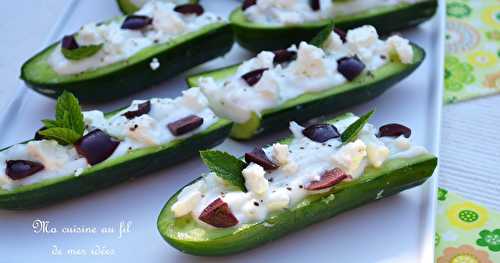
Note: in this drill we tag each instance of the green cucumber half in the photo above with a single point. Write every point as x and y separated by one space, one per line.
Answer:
257 37
134 74
394 176
313 104
130 6
134 164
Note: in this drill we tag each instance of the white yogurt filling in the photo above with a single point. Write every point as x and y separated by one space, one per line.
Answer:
282 12
120 44
314 70
301 162
146 130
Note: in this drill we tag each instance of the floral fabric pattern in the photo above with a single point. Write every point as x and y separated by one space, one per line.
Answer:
472 50
466 232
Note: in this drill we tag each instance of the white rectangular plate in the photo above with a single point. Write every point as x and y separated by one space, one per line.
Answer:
397 229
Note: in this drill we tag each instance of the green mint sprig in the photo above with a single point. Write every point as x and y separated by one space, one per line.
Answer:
225 166
68 126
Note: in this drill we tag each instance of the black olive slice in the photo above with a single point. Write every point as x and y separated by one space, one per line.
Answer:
218 214
185 125
69 42
259 157
394 130
328 179
321 132
248 3
19 169
252 77
142 109
136 22
283 55
188 9
350 67
96 146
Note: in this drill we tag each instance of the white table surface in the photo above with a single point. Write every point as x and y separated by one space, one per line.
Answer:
470 152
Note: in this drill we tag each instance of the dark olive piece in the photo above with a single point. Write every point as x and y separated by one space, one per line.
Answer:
69 42
185 125
188 9
19 169
252 77
283 55
342 34
259 157
218 214
350 67
248 3
394 130
136 22
328 179
96 146
321 132
142 109
315 5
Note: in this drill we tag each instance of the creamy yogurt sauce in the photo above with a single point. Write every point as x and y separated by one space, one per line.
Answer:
282 12
120 44
300 163
314 70
146 130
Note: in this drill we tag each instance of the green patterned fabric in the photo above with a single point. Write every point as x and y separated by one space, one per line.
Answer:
466 232
472 49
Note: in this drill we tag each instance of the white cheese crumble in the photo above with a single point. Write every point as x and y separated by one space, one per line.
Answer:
283 188
155 64
283 12
314 70
120 44
146 130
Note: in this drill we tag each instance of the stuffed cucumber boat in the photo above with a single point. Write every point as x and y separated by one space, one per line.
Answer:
273 24
306 81
130 6
323 170
82 152
108 60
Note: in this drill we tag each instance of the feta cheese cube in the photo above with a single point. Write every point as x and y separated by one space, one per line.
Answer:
280 153
333 43
364 36
377 154
253 210
144 129
254 179
194 99
310 61
349 157
402 48
290 168
167 21
187 203
155 64
89 35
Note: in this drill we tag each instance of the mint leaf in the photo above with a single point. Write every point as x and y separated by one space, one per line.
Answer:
322 36
225 166
352 132
50 124
68 113
81 52
63 136
68 126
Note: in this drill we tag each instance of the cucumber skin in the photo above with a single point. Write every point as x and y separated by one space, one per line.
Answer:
136 77
411 175
257 39
127 8
108 176
279 119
